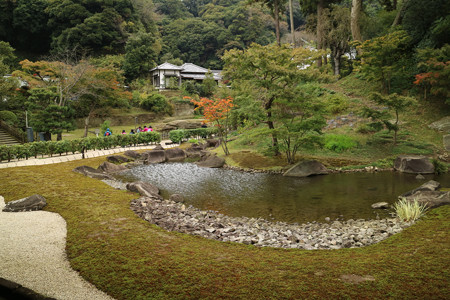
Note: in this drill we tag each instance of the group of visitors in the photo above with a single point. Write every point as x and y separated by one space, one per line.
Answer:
108 132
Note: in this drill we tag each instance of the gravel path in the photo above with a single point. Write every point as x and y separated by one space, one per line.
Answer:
32 254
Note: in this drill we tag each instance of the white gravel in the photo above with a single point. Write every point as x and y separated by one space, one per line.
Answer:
32 254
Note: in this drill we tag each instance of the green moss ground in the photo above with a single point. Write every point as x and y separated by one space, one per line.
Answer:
131 259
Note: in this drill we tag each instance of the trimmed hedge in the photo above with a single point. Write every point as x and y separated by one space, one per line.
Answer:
177 136
8 152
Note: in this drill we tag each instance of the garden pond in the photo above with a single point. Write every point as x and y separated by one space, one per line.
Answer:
277 198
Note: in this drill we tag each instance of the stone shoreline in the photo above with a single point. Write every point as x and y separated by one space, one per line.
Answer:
176 216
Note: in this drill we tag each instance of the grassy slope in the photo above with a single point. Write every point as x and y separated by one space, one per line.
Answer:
131 259
414 137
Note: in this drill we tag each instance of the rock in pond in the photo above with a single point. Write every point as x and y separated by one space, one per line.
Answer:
380 205
34 202
175 155
413 164
428 194
144 189
154 157
211 161
307 168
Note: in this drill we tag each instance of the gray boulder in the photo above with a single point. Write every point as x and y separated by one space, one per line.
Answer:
428 194
132 154
307 168
144 189
211 161
431 185
175 154
158 147
413 164
154 157
380 205
91 172
442 124
35 202
108 167
117 159
431 199
212 143
194 151
446 140
176 198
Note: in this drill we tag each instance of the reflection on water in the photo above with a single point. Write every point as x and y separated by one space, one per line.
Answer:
274 197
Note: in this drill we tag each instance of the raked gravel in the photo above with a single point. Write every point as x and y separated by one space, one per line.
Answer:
32 254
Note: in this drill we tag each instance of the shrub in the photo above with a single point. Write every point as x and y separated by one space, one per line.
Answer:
157 103
339 142
439 167
370 127
409 211
9 117
104 126
336 103
176 136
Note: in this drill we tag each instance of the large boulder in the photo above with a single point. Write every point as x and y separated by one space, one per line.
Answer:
413 164
175 154
144 189
430 198
442 124
428 194
154 157
93 173
132 154
34 202
211 161
431 185
446 140
307 168
194 151
108 167
117 159
212 143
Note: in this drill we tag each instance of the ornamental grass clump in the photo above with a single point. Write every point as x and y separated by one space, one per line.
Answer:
409 211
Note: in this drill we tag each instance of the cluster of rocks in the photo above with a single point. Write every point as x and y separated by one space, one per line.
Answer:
350 119
176 216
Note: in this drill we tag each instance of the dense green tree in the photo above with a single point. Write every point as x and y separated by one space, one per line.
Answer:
100 33
300 121
141 54
53 119
30 25
338 34
268 74
384 60
198 43
394 103
428 25
172 9
276 7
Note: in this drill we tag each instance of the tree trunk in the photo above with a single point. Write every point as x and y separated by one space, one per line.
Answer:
400 13
291 16
86 125
320 34
276 12
337 64
59 136
355 17
274 136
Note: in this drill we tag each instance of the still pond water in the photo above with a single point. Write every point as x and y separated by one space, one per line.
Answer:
278 198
